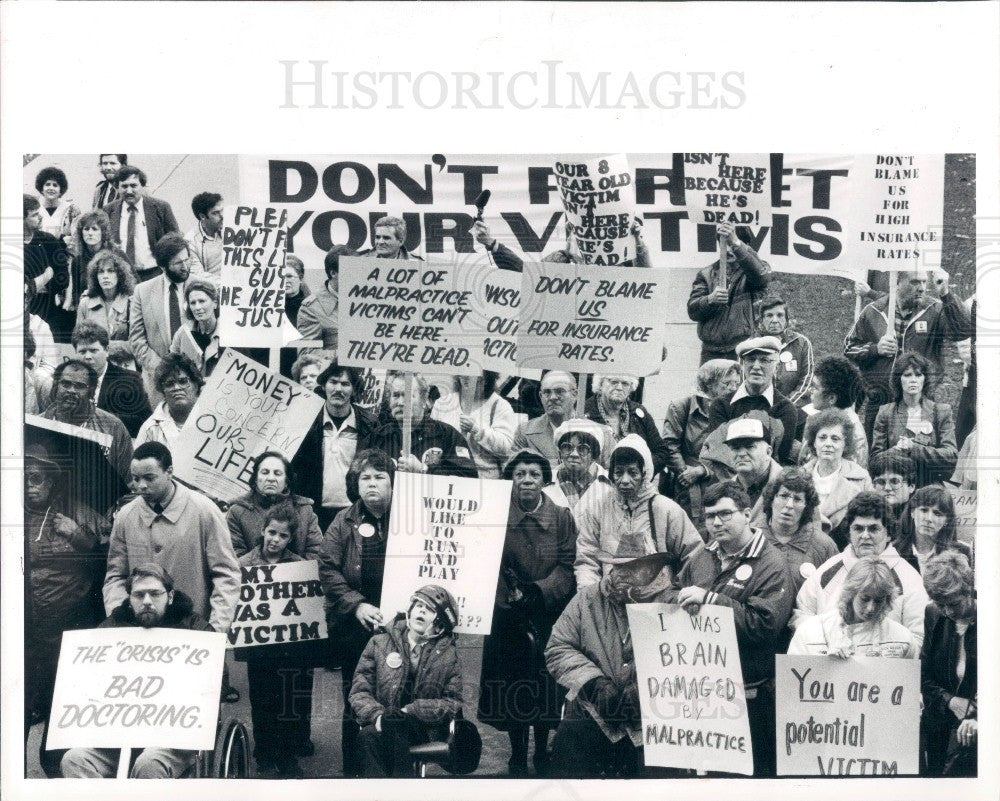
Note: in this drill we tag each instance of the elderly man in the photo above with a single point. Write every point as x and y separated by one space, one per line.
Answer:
869 521
610 406
590 653
749 438
74 384
139 221
740 569
151 602
922 325
390 234
119 391
558 393
435 447
179 529
795 359
759 359
725 314
628 518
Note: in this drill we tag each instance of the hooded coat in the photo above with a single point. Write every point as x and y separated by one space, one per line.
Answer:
649 523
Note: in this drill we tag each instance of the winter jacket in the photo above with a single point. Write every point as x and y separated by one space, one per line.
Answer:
640 422
340 561
722 327
649 524
246 525
794 374
684 431
439 446
496 421
808 548
819 635
781 409
933 451
756 587
925 333
822 589
939 660
436 695
590 640
850 481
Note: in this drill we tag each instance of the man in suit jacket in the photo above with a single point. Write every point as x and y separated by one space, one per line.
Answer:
150 328
119 391
153 219
558 394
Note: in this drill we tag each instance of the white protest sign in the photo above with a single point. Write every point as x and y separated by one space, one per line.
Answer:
252 295
406 315
728 187
847 717
446 531
694 712
243 410
599 200
374 388
280 603
501 299
592 319
899 212
966 504
137 687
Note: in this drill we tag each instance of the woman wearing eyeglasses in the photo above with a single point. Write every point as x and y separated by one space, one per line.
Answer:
580 473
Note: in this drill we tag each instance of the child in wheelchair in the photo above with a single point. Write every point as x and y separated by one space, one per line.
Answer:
408 684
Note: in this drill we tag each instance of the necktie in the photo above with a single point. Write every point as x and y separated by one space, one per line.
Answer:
175 310
130 241
158 508
112 194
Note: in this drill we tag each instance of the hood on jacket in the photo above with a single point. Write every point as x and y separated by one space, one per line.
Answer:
634 442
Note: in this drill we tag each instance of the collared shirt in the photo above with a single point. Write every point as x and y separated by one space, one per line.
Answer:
206 251
181 302
143 253
160 427
339 447
742 392
100 382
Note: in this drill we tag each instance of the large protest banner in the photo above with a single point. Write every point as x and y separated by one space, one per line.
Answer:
137 688
336 200
244 409
407 315
591 319
728 187
694 711
252 295
281 603
599 200
447 531
899 211
966 505
847 717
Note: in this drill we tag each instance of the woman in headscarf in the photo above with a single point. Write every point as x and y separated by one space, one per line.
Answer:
535 584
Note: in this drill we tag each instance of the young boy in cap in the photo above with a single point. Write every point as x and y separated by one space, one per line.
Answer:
408 684
759 358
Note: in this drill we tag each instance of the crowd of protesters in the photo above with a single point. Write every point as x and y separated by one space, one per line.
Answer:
811 493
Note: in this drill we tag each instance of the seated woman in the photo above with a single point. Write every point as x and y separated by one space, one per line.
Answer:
915 424
948 671
485 419
199 339
408 683
830 434
110 284
859 624
579 475
180 381
610 405
928 528
91 235
790 520
306 369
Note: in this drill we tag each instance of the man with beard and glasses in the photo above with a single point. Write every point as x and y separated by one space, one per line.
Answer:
151 602
157 309
74 384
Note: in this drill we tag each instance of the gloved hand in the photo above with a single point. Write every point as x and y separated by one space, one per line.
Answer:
604 695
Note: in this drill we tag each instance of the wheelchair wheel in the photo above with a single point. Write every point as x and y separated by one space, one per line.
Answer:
234 753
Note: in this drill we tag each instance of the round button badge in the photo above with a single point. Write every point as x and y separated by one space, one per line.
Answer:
366 529
806 569
743 572
394 660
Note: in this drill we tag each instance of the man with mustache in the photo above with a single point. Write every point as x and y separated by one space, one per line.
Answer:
759 360
106 191
152 602
869 521
139 221
74 384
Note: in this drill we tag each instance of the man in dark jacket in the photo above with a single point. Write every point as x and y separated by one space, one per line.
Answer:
922 324
726 315
740 569
759 358
795 359
119 391
46 269
435 447
139 221
336 435
390 234
152 603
